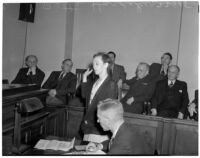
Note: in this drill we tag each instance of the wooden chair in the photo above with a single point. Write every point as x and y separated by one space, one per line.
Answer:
79 75
5 81
26 106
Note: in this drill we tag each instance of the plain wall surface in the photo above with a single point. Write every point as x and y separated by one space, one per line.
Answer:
46 36
138 34
188 55
13 41
135 35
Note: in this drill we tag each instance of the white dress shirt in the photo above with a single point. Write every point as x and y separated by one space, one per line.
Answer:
95 87
169 82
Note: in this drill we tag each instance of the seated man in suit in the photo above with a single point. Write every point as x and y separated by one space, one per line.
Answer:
159 71
118 72
60 83
30 75
126 139
171 97
141 90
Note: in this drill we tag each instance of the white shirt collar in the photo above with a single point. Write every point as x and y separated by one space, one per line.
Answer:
173 81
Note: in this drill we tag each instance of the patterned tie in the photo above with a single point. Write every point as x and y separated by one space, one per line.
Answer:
110 143
61 76
171 84
162 73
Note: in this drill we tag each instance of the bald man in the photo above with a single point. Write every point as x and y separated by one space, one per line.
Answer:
30 75
141 90
171 97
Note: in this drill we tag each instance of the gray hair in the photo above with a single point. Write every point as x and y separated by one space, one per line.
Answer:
112 104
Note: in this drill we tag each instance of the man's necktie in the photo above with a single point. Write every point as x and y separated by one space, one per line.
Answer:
162 73
110 143
30 73
62 76
171 84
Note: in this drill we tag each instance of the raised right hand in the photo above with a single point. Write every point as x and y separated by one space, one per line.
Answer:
86 74
153 112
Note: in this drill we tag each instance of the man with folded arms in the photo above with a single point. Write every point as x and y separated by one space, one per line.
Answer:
171 97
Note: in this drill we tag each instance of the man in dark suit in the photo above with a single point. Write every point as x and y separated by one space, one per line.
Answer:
141 90
30 75
159 71
171 97
126 139
118 72
60 83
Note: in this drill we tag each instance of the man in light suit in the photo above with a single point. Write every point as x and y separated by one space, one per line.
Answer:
30 75
60 83
126 139
159 71
141 90
171 97
118 72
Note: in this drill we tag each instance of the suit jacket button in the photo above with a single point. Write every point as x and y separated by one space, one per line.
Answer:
86 122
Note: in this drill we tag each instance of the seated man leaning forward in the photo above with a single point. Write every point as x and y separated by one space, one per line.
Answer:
171 97
141 90
126 139
60 83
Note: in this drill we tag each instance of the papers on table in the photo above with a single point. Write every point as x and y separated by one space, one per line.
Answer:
54 145
98 152
95 138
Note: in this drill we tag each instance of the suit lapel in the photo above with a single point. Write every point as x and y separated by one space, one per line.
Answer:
100 89
120 130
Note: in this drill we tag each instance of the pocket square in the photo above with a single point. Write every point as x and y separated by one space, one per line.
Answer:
145 84
180 91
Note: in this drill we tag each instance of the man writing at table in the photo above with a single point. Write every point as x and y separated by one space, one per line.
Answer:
126 140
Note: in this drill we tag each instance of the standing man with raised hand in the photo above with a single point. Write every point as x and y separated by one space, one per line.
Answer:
30 75
102 88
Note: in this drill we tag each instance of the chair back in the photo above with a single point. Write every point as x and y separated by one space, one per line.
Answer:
5 81
79 75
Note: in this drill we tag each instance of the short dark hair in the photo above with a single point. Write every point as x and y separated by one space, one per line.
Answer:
26 59
113 53
106 59
104 56
169 54
67 60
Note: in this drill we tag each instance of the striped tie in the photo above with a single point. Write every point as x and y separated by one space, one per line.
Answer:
110 143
